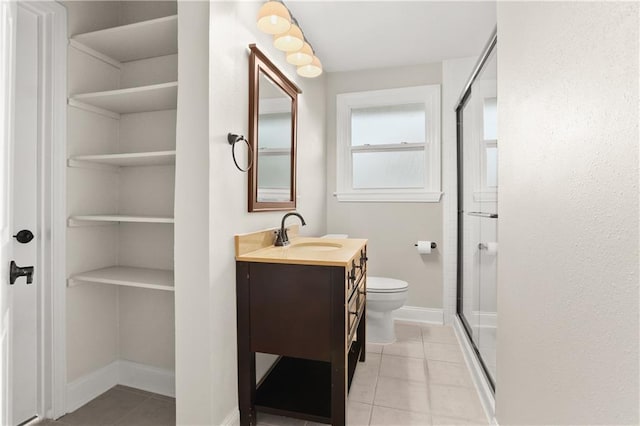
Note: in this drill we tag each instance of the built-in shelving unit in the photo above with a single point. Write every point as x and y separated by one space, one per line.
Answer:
155 158
156 37
121 145
77 220
155 97
156 279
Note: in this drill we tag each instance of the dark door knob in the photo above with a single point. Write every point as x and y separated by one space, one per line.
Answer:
24 236
16 271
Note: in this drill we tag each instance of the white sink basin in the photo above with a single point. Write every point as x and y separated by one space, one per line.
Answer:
316 246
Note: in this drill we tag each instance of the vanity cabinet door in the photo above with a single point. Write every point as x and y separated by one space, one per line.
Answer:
291 310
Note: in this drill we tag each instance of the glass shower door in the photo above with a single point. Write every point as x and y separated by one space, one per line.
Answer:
478 213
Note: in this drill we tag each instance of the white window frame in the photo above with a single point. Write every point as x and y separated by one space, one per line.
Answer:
431 191
486 89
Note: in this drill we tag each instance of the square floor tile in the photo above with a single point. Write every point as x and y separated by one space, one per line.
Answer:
407 348
134 390
402 394
450 421
363 389
108 408
439 334
152 412
358 414
443 352
403 368
406 332
375 348
455 401
265 419
448 373
383 416
369 369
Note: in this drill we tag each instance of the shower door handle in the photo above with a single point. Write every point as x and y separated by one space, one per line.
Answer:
483 214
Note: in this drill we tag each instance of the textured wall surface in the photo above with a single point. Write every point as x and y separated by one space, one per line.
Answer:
568 232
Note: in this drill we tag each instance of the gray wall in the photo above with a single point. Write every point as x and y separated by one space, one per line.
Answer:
568 266
392 228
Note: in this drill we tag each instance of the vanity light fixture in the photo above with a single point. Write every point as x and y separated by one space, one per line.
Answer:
304 56
311 70
289 41
274 18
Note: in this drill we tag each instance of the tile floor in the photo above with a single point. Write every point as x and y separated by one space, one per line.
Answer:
419 380
122 406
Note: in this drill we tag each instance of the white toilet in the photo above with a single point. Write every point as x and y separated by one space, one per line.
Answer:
384 295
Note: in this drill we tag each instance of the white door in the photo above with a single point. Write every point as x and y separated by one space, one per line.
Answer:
7 49
25 192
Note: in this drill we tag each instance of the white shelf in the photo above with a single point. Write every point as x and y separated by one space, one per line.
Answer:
148 39
89 219
156 158
158 279
155 97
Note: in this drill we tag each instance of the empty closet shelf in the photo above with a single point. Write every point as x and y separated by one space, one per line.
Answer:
156 158
141 40
155 97
157 279
87 219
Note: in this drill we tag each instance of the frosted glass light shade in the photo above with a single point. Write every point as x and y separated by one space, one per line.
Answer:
289 41
304 56
311 70
274 18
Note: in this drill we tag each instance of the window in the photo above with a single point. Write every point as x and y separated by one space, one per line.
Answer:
388 145
490 143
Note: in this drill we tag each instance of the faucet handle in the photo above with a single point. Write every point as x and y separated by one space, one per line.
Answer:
282 239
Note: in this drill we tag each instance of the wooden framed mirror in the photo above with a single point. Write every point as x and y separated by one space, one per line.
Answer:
273 113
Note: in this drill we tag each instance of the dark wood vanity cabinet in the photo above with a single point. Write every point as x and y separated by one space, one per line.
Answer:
313 316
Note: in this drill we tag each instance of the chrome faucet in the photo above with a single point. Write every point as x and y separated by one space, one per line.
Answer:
282 239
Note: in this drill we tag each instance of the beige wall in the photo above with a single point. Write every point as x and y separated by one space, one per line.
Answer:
392 228
568 268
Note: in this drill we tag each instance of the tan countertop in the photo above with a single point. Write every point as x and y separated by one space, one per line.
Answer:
309 251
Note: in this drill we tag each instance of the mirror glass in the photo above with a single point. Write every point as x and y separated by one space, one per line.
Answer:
273 105
275 124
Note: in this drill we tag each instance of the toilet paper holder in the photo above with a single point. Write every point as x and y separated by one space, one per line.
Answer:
433 245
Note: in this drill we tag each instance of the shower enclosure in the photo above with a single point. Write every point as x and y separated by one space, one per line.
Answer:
478 209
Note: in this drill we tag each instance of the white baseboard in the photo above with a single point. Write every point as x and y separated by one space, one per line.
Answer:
480 381
232 419
127 373
89 386
417 314
483 319
150 379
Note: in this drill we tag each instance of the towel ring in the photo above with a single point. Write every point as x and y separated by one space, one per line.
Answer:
233 139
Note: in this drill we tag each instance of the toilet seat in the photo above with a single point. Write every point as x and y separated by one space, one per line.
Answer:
385 285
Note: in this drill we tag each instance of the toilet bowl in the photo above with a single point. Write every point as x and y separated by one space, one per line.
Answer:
384 295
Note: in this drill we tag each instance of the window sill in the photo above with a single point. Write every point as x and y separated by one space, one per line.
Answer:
384 197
